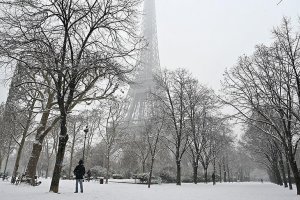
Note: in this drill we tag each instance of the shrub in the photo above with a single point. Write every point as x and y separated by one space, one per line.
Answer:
143 177
98 171
127 174
117 176
167 176
187 179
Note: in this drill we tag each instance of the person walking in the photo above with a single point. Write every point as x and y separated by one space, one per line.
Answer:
79 172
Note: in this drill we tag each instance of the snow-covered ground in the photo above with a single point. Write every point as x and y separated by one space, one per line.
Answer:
127 191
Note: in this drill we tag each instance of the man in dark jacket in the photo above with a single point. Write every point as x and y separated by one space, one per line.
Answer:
79 172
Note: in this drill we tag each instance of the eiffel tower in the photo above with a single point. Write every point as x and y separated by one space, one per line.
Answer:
148 65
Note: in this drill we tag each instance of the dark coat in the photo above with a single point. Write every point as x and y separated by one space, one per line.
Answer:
79 171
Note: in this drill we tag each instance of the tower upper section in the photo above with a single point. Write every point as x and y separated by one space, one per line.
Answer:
148 65
149 57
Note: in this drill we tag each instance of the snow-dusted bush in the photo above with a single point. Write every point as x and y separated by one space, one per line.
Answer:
98 171
143 177
117 176
187 179
167 176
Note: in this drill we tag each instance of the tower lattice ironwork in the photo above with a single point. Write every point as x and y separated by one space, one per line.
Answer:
149 64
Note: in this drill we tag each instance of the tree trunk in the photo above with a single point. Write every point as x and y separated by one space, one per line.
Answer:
34 158
241 175
220 171
7 157
195 172
107 168
17 163
39 139
47 170
71 156
295 171
282 170
277 174
271 175
150 173
63 139
225 175
1 160
289 175
214 172
228 173
205 174
36 151
6 161
143 166
178 172
48 160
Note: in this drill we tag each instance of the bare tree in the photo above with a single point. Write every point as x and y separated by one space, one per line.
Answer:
171 87
214 138
201 105
197 98
79 43
154 128
115 128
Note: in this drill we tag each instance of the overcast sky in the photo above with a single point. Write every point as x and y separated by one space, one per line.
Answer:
208 36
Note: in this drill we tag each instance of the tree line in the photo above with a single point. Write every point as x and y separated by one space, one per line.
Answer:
69 52
264 89
66 54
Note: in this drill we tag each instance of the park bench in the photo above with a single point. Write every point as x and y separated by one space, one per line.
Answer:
25 179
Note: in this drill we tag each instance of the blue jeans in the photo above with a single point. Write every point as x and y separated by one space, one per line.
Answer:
81 185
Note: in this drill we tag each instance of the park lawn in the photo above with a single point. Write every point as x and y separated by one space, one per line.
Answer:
128 191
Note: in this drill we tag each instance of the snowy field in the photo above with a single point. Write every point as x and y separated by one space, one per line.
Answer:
125 191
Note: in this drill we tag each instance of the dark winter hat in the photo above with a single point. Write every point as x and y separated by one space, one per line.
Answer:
80 162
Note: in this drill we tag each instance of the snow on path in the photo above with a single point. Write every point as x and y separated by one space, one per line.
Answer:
123 191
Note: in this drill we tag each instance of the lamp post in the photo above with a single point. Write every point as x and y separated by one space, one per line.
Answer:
86 130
